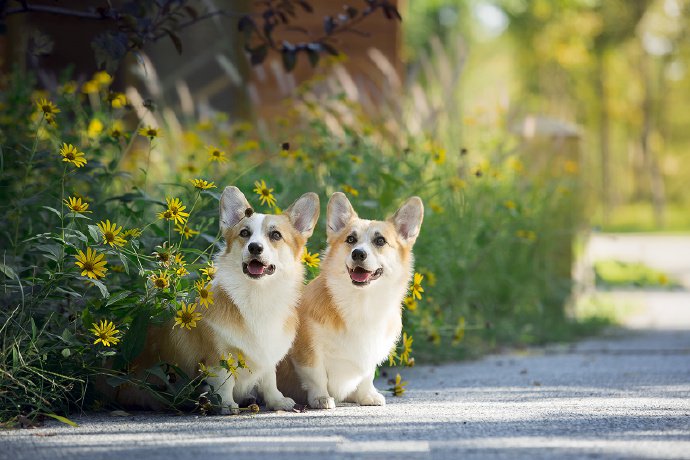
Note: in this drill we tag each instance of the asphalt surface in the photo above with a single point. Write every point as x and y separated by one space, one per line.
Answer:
624 395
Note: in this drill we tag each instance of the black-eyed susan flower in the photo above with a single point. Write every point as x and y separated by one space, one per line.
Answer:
47 107
160 280
149 131
416 289
406 348
165 214
201 184
132 232
181 272
528 235
185 231
398 388
457 184
179 259
177 212
105 333
75 204
350 190
265 193
205 293
187 316
509 204
209 272
72 155
410 303
90 87
230 364
111 233
92 264
69 87
216 154
164 254
311 260
117 130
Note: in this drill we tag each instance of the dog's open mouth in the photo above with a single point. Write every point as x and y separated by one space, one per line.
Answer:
362 277
256 269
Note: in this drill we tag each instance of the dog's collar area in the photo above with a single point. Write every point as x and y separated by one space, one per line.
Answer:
256 269
361 277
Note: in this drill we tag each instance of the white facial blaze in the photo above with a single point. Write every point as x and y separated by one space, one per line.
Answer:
254 225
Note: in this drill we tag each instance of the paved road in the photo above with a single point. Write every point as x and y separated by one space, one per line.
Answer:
626 395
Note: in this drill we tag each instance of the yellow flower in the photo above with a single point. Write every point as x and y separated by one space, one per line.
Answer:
164 255
149 131
248 145
90 87
167 215
277 211
117 100
117 130
241 362
457 184
102 78
160 281
410 303
515 164
176 209
229 364
75 204
182 272
437 208
92 264
571 167
526 235
70 87
133 232
509 204
186 231
209 272
398 387
47 107
110 233
350 190
205 293
187 316
179 259
105 333
392 357
206 371
406 348
355 159
215 154
201 184
265 193
95 128
417 286
438 155
459 333
71 154
311 260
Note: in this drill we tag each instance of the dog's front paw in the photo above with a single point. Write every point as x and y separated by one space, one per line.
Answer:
282 403
322 402
373 398
230 409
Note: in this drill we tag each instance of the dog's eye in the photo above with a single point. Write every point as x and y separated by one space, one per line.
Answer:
244 233
351 239
379 241
275 235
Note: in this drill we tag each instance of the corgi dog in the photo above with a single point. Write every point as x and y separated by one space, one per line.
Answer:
256 288
350 316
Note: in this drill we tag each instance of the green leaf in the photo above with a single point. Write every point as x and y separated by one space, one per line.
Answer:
62 419
102 287
8 271
125 262
59 214
133 341
66 352
117 297
95 233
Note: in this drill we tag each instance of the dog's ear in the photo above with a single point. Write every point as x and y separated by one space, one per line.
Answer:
408 219
233 207
304 213
340 213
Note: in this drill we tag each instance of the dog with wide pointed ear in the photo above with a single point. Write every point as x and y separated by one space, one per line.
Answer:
304 213
407 220
233 208
339 213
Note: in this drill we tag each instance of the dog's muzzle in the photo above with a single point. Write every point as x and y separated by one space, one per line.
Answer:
256 269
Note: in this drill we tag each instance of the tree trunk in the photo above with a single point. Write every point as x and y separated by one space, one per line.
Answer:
604 130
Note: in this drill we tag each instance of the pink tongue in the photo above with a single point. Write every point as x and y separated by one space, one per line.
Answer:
360 275
255 267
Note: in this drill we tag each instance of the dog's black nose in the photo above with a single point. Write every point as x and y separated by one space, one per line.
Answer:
358 254
255 248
